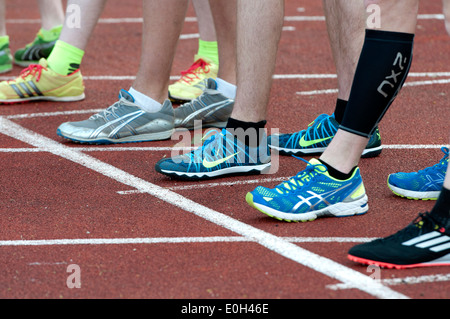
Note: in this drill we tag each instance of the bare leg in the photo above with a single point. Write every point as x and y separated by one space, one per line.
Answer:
3 31
344 151
224 14
346 39
52 13
158 46
259 25
90 11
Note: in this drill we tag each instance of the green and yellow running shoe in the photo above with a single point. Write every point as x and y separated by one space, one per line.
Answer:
38 82
41 47
191 83
5 59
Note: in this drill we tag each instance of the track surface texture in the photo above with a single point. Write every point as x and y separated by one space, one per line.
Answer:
134 233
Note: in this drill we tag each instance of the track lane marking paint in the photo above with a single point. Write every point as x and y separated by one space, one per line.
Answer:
276 244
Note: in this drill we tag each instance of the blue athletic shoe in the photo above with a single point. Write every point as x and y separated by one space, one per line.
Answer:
310 194
315 139
221 154
425 184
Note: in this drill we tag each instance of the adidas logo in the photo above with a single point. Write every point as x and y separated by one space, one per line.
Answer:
434 241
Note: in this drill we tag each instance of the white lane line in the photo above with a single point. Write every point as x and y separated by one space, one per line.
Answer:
173 240
293 76
93 149
276 244
401 281
407 84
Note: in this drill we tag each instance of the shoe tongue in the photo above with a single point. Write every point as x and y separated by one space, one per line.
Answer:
43 62
126 95
314 161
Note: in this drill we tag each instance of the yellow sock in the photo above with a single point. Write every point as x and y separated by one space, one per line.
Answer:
65 58
208 49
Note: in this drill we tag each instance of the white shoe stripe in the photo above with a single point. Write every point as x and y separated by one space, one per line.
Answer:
433 242
421 238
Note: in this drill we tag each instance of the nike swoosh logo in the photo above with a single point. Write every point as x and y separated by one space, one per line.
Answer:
304 143
208 164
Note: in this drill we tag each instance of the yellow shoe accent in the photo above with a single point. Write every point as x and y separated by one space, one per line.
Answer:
189 86
38 82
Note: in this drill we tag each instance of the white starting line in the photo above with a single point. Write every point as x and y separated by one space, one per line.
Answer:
274 243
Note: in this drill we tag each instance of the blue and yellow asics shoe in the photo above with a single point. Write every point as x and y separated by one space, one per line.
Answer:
221 154
315 139
425 184
310 194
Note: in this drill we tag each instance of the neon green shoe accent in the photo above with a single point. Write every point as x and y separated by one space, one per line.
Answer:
305 143
41 47
190 85
218 162
5 58
38 82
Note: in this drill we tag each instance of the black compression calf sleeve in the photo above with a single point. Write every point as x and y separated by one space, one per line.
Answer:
382 69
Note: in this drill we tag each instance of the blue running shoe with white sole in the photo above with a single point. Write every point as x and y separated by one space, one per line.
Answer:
310 194
221 154
425 184
122 122
315 139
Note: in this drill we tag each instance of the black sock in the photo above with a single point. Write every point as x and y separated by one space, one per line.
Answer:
337 174
441 209
382 69
247 132
339 110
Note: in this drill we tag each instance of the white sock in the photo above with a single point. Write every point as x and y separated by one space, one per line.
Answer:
227 89
144 102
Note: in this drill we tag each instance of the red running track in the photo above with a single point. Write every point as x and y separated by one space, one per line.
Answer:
136 234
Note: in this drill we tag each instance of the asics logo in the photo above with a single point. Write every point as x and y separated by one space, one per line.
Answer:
126 119
305 143
321 198
205 108
208 164
434 241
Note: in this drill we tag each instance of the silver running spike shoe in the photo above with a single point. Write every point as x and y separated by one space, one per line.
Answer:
122 122
211 108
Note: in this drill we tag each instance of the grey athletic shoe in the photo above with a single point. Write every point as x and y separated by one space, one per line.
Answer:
123 122
212 108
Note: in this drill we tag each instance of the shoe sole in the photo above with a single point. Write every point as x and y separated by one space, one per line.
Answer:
414 195
45 98
130 139
229 171
367 153
396 266
357 207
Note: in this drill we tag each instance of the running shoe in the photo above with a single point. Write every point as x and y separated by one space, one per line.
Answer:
190 85
211 108
425 184
122 122
422 243
38 82
310 194
315 139
5 59
41 47
221 154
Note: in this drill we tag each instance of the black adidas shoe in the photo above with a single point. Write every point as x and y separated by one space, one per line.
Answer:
422 243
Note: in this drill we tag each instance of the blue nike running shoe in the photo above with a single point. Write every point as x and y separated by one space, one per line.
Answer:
315 139
221 154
